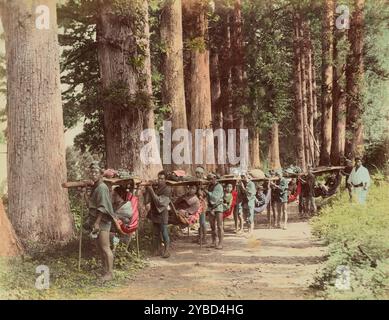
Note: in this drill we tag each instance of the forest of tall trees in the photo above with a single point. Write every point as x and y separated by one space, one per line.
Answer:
304 77
97 97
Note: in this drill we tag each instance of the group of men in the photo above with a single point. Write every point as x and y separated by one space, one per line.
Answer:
212 200
215 200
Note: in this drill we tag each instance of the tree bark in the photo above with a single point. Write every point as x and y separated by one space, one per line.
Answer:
310 94
237 65
315 113
303 88
327 77
255 159
224 50
354 87
339 99
217 107
199 83
222 44
274 150
38 205
215 90
125 71
298 106
173 92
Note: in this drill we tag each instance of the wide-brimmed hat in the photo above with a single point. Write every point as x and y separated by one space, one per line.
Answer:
200 170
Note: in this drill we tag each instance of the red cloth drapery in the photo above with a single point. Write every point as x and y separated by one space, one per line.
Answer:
135 216
228 212
294 196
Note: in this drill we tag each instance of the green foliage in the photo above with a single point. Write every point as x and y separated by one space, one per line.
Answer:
117 96
83 98
358 238
80 72
376 93
196 44
268 33
17 275
77 164
157 52
377 154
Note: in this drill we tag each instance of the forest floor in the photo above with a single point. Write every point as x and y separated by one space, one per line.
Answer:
269 264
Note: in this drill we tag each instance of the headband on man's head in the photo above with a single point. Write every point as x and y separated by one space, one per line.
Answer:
279 172
211 176
94 165
162 173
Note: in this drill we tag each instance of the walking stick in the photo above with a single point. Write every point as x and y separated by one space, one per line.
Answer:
201 236
83 197
137 243
80 240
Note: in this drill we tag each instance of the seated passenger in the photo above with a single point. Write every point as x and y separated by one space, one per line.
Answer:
260 197
331 185
122 207
227 199
189 204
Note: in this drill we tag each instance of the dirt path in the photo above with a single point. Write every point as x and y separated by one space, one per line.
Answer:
271 264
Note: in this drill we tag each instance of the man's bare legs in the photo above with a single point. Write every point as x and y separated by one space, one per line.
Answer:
104 244
284 209
238 220
271 214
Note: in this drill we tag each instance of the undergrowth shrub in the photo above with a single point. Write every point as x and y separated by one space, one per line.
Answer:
357 237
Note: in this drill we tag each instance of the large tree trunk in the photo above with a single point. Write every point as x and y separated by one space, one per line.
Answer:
339 99
221 75
327 76
310 94
217 107
199 83
303 87
224 68
173 92
38 205
125 70
298 106
315 114
255 159
354 76
237 64
9 244
274 149
215 90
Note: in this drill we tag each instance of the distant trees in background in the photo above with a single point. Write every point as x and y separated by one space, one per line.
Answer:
248 64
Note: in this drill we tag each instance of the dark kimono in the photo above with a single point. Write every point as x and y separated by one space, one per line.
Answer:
159 212
100 202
